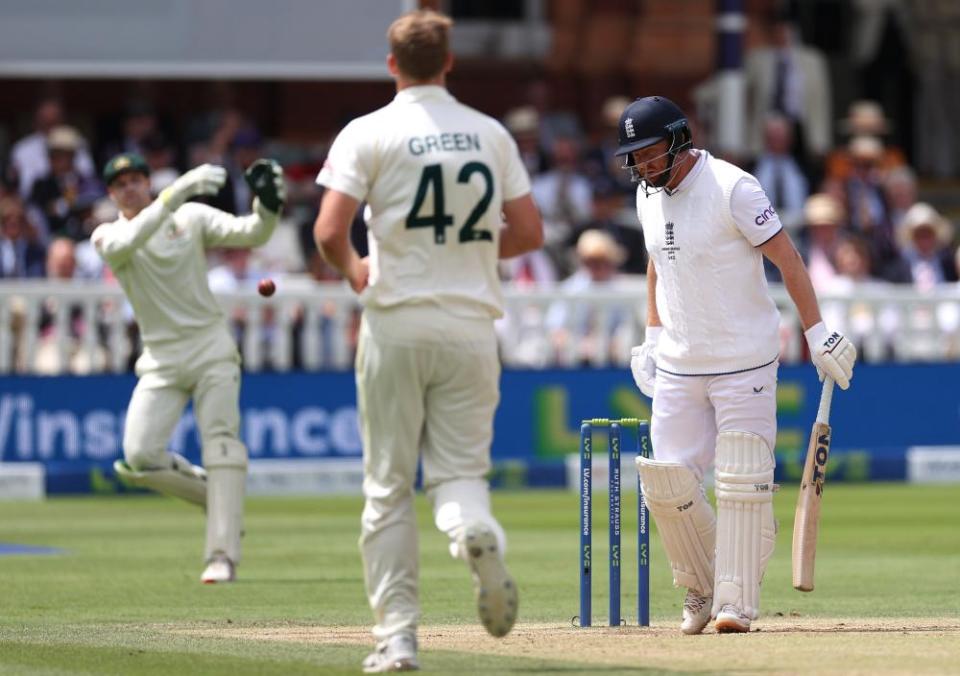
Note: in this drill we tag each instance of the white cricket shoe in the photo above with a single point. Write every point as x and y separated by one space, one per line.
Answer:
495 590
696 612
731 621
219 569
397 653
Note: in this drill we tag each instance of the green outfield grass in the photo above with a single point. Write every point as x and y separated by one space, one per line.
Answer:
124 598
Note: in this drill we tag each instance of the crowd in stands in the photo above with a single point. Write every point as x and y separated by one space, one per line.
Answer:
851 205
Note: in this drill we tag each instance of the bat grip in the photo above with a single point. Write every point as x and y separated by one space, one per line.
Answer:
826 397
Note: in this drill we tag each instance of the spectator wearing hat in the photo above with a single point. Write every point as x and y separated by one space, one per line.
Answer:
523 123
614 215
867 209
584 333
63 195
825 221
865 118
926 238
29 157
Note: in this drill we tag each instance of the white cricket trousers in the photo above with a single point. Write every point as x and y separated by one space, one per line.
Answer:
206 368
689 412
427 388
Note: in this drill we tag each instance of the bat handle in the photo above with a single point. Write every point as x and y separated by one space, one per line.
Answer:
826 397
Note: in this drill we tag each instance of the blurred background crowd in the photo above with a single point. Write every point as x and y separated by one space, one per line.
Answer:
848 124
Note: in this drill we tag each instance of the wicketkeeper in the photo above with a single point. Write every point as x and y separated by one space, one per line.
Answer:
157 250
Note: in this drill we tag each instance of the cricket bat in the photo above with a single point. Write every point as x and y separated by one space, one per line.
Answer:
806 522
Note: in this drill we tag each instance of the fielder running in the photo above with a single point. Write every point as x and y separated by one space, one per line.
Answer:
436 176
157 249
710 359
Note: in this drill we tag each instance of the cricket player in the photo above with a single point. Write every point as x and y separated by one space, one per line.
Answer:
710 359
157 249
436 176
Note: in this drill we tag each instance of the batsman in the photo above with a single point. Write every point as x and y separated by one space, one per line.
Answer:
709 360
157 250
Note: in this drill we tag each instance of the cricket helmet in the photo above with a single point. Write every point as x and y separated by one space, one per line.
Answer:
648 121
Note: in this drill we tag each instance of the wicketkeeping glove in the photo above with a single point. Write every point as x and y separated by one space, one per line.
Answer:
643 361
265 178
832 354
207 179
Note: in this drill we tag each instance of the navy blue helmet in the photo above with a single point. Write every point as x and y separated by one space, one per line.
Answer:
648 121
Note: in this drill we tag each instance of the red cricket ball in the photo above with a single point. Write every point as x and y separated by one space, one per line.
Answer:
266 287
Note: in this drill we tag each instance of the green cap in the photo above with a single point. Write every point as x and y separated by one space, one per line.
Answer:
124 163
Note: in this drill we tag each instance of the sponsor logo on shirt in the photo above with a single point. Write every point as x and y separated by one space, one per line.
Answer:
628 128
669 242
765 215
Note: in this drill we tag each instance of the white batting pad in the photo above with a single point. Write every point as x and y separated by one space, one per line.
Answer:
181 479
746 530
225 460
685 521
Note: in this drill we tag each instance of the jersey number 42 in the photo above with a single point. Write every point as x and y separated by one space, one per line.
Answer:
439 220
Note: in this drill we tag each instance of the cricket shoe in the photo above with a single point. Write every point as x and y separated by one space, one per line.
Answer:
696 612
731 621
397 653
219 569
495 590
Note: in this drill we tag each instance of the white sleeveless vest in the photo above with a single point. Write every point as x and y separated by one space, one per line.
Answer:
712 295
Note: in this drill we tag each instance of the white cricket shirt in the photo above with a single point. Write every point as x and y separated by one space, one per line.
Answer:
712 294
434 174
160 260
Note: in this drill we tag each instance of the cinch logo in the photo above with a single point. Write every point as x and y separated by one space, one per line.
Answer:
628 128
820 461
765 215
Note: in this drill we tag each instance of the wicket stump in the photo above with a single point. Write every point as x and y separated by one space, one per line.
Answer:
614 430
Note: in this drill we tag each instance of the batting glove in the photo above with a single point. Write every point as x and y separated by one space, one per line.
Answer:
643 361
206 179
265 178
832 354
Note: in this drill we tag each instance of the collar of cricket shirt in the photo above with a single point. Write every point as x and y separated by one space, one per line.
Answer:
694 171
421 92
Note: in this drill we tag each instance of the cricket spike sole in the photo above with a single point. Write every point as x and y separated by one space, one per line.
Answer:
495 590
